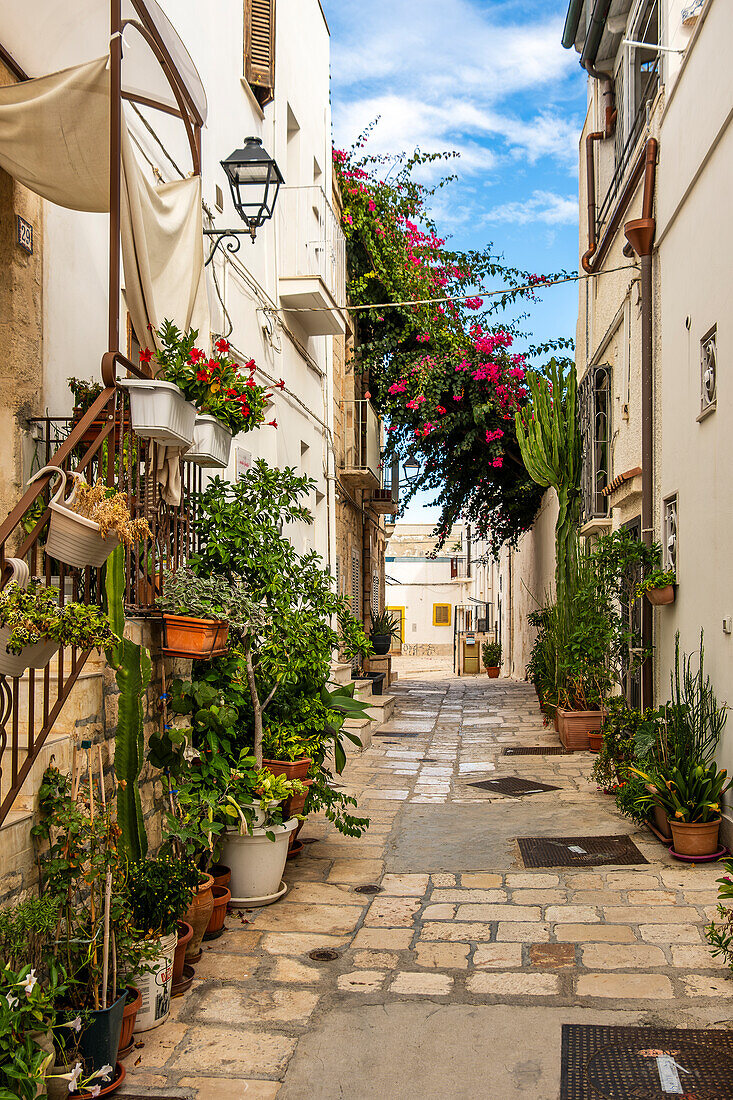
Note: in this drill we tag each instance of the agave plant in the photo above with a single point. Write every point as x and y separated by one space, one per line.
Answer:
690 794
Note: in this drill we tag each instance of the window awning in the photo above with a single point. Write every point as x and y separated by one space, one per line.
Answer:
45 36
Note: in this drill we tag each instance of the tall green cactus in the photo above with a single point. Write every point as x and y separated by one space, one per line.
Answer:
550 442
132 666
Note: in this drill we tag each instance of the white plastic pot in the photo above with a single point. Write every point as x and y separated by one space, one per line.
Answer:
212 443
159 411
257 863
31 656
155 986
72 539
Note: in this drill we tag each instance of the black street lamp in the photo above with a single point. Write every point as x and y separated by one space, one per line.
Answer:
411 468
254 179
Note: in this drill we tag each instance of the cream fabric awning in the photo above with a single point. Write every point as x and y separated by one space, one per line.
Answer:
45 36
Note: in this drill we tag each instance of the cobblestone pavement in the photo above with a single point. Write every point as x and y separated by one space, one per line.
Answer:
458 923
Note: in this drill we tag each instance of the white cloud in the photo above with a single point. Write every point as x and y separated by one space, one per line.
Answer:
542 206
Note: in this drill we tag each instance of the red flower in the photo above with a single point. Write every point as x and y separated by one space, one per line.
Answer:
280 385
250 384
146 355
214 364
251 365
196 355
232 393
222 346
272 423
202 375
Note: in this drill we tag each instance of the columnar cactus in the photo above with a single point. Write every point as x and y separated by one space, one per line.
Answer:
550 442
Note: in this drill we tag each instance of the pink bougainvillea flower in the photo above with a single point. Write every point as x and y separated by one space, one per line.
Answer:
497 462
491 437
398 387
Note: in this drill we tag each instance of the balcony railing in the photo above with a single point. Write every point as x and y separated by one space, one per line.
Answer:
386 499
312 242
101 445
362 451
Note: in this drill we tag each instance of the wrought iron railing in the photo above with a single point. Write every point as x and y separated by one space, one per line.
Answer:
363 443
101 445
626 147
312 241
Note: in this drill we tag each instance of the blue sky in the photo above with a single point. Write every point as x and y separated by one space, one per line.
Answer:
490 79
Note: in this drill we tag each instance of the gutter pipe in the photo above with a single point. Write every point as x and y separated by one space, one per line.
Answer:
572 21
596 27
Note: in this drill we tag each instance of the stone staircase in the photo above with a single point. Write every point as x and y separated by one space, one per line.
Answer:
381 705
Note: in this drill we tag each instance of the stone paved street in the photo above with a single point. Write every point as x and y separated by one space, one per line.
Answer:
453 980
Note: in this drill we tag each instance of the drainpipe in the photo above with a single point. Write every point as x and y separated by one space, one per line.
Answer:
640 235
609 125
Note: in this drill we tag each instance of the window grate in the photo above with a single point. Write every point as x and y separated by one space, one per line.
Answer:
709 370
355 584
594 397
670 533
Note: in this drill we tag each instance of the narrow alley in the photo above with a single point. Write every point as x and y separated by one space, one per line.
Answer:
427 958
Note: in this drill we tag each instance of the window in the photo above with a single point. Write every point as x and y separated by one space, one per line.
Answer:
441 614
375 594
669 547
259 48
708 371
399 614
595 409
355 584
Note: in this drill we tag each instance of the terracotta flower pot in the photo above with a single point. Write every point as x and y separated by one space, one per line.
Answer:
660 596
199 639
296 805
291 769
661 822
185 933
221 874
695 838
493 672
575 725
132 1004
222 897
595 741
198 916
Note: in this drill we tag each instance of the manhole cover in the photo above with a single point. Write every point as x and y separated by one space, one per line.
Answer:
323 955
578 851
369 888
645 1063
511 784
535 750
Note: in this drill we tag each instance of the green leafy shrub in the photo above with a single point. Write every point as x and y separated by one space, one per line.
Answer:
34 615
720 936
159 891
491 653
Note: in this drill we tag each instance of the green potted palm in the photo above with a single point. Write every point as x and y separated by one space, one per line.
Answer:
384 629
491 653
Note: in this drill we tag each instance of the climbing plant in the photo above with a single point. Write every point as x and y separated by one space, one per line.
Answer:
444 374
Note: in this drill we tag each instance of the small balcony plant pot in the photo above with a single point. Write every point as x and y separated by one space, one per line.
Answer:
159 411
181 981
695 838
661 822
258 863
381 643
291 769
156 986
493 672
595 741
100 1040
212 444
198 916
215 927
129 1014
198 639
575 725
31 656
221 874
659 597
73 539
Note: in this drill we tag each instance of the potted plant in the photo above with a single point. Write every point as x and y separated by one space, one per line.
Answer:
720 936
85 528
34 625
384 628
659 587
85 393
690 795
491 653
195 612
158 893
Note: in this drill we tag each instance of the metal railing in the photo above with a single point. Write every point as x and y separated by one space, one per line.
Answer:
362 443
312 241
625 148
101 445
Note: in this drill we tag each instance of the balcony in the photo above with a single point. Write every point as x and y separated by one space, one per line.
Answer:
362 453
386 500
312 261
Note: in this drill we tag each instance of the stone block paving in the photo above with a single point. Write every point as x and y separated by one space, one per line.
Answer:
629 937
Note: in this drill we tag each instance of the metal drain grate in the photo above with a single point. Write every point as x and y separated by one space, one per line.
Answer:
323 955
369 888
578 851
647 1063
536 750
511 784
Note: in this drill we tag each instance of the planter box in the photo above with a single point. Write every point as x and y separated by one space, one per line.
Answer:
211 445
493 672
659 597
73 539
159 411
291 769
695 838
31 656
198 639
575 725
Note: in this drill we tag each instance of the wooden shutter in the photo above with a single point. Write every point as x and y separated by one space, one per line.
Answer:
259 48
441 614
355 584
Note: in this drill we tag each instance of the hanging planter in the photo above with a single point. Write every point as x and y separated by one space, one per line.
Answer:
660 597
212 444
73 539
159 411
199 639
